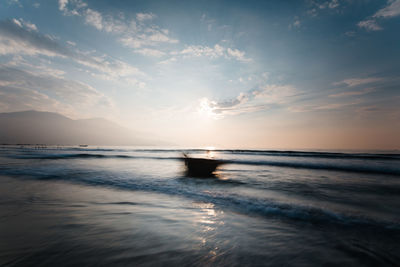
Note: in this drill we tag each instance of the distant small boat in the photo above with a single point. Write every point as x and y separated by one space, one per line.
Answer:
201 167
83 145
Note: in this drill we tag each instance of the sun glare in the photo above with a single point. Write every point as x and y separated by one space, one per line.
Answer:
206 109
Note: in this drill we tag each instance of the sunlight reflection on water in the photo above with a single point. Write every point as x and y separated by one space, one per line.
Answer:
209 220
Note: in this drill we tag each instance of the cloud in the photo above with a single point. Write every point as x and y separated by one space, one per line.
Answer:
62 4
71 43
18 39
114 68
145 16
350 33
75 7
168 61
390 11
17 99
20 89
149 52
213 52
17 22
199 51
295 24
132 33
261 98
94 18
333 4
40 66
325 106
272 93
68 90
369 25
334 106
317 5
151 36
358 81
218 110
15 2
353 93
237 54
24 24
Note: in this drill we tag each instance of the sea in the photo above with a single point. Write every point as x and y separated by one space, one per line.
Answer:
130 206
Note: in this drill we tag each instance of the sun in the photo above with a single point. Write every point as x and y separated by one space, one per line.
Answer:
207 109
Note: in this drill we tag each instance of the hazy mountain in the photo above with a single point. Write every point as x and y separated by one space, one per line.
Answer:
33 127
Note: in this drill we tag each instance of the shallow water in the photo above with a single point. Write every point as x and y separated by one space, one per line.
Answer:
125 206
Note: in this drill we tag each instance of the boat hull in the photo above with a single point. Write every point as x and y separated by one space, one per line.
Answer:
201 167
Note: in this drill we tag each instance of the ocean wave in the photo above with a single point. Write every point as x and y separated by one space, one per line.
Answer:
343 166
316 154
87 156
380 155
221 199
271 208
322 166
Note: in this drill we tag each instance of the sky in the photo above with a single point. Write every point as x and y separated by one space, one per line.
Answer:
231 74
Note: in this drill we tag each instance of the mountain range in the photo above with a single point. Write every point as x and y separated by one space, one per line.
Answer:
35 127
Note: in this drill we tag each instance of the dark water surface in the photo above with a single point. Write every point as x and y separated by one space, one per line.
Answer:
74 206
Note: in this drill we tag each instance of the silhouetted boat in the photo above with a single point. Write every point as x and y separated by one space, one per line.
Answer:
201 167
83 145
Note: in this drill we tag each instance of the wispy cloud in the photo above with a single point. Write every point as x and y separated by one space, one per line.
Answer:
275 94
391 10
138 33
15 2
370 25
94 18
22 89
353 93
237 54
260 98
15 38
168 61
213 52
39 67
71 43
19 38
17 99
151 37
24 24
316 6
335 106
358 81
329 4
199 51
296 23
150 52
62 4
145 16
